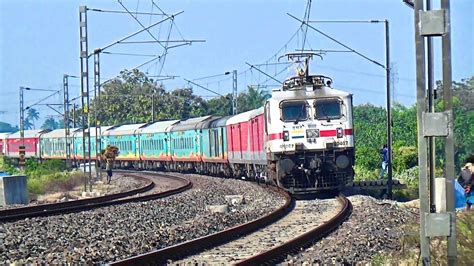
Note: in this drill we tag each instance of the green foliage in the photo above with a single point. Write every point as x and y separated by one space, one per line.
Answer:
133 97
50 123
463 106
369 129
362 173
5 127
35 170
31 116
253 98
45 177
404 157
35 186
370 132
410 178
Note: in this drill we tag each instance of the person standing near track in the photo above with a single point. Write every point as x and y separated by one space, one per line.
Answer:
108 168
385 161
109 154
466 180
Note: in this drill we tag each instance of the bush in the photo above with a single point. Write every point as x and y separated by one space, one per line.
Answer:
63 182
362 173
409 177
35 186
404 158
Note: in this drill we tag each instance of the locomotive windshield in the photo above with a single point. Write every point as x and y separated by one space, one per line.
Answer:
293 111
328 109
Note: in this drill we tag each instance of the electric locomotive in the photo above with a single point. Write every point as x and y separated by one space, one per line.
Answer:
310 140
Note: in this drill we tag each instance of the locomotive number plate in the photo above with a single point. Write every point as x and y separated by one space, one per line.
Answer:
341 143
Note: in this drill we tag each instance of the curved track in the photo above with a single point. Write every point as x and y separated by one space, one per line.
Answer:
87 204
262 247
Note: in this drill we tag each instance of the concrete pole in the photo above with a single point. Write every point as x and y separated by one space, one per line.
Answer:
66 120
449 141
389 108
234 92
422 143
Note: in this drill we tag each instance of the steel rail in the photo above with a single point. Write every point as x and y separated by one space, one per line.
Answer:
162 256
91 203
300 241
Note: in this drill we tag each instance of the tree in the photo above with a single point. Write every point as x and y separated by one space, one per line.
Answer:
27 124
252 99
129 98
32 115
5 127
50 124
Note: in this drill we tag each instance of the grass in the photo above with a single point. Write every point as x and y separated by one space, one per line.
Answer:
46 177
411 244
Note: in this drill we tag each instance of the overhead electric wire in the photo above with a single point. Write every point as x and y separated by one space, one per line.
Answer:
162 41
129 54
306 16
338 42
44 99
202 87
176 26
145 63
124 12
213 76
252 66
165 52
143 26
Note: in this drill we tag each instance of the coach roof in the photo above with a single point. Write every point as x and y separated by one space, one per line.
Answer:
103 129
192 123
243 117
28 133
59 133
157 127
124 130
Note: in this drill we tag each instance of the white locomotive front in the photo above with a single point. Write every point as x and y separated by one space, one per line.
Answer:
310 140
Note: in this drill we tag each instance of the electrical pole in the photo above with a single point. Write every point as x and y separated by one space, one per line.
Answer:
86 140
96 104
234 92
74 106
66 120
22 131
431 124
389 109
449 142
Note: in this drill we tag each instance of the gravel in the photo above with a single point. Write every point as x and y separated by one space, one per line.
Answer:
117 232
374 227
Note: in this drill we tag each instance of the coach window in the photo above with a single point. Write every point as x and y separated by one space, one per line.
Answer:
328 109
294 111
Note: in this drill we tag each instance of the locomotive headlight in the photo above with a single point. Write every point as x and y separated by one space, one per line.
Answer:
312 133
339 132
342 161
286 135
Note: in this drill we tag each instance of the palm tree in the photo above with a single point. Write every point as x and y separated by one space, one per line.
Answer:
32 115
27 124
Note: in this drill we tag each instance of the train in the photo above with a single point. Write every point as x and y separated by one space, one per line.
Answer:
302 140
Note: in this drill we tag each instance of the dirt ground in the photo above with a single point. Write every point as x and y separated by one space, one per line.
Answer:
119 183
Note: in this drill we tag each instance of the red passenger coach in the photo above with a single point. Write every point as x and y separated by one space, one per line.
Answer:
31 140
257 129
238 138
3 143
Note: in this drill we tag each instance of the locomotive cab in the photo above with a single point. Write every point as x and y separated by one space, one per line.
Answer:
310 141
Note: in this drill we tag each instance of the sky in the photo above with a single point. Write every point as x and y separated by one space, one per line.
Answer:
39 43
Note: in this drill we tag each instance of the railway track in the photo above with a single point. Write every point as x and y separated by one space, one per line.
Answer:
264 240
87 204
